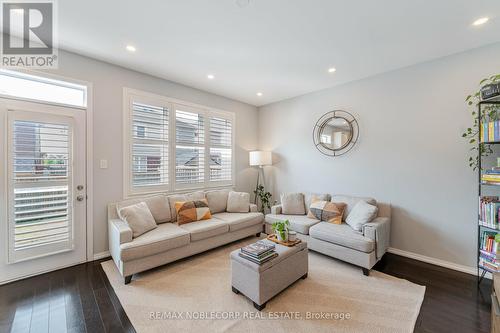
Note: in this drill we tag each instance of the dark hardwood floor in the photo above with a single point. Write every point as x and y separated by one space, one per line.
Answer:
80 299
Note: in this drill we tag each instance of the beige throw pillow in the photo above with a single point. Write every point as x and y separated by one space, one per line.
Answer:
158 206
361 214
293 204
238 202
217 200
139 218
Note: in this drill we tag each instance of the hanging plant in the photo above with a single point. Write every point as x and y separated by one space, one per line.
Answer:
489 112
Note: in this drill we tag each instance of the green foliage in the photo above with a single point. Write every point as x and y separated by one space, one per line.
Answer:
264 197
281 227
488 113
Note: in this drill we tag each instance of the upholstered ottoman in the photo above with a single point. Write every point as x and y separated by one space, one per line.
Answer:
260 283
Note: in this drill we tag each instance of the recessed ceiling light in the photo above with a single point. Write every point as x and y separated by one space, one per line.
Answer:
481 21
131 48
332 70
210 76
259 94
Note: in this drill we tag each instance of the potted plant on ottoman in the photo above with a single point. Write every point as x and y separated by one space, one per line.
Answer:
280 228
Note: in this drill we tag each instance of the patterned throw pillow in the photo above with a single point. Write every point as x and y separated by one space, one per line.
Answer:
192 211
327 211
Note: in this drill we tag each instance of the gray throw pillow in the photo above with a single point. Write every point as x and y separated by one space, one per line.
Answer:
361 214
293 204
138 218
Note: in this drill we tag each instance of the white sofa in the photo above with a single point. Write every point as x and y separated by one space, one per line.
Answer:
363 249
169 241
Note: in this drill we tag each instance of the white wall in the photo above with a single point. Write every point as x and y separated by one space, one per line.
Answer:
410 152
108 82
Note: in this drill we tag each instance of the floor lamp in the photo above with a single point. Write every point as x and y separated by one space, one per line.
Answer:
259 159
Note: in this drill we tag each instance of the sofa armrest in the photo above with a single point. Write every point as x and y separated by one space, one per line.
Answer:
380 231
119 232
276 210
253 208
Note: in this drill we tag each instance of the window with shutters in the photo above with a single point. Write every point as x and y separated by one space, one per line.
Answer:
174 145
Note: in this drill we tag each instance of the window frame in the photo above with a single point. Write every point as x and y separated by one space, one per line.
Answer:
133 95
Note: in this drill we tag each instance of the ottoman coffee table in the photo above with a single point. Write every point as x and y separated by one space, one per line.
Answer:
260 283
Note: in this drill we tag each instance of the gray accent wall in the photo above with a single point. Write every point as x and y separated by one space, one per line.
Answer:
108 82
410 152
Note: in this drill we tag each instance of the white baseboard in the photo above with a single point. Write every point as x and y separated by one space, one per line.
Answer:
437 262
101 255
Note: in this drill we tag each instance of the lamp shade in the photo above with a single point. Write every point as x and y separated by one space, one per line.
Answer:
260 158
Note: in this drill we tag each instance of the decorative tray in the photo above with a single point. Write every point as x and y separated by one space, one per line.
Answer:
273 238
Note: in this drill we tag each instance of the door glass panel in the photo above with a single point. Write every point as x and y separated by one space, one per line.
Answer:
40 216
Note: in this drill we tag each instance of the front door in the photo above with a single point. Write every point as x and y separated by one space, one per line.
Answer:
44 225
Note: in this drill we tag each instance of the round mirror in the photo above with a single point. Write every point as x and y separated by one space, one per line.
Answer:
335 133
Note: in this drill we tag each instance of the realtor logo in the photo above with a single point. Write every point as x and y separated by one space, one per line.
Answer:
28 34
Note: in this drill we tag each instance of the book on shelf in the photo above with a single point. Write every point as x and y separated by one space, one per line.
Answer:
490 131
488 251
489 211
487 241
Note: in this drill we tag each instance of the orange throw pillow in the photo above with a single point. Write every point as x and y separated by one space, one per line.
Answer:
192 211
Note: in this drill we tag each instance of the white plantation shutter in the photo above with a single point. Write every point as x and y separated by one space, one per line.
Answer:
174 145
190 147
221 141
40 210
149 146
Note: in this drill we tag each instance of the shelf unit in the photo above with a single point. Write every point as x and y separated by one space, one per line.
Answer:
481 270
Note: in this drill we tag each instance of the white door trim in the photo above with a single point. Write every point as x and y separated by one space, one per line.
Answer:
89 111
89 146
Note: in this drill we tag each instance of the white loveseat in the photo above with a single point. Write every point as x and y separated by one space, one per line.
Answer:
362 248
169 241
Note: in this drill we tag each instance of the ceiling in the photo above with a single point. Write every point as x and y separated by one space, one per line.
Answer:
282 48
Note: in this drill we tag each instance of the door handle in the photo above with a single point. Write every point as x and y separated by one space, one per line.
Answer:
79 198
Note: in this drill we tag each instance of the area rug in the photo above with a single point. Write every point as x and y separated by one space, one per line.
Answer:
194 295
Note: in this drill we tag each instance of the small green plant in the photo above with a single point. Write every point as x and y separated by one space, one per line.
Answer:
488 113
264 197
281 228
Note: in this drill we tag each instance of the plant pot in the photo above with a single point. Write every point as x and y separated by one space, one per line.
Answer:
280 238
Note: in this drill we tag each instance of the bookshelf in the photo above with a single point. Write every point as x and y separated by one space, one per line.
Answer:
482 226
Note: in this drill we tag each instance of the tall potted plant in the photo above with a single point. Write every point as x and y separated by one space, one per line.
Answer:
264 197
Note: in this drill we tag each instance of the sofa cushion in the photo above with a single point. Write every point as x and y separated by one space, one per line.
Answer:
351 201
205 229
158 206
293 203
191 211
166 237
239 221
343 235
138 218
310 197
361 214
298 223
217 200
238 202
